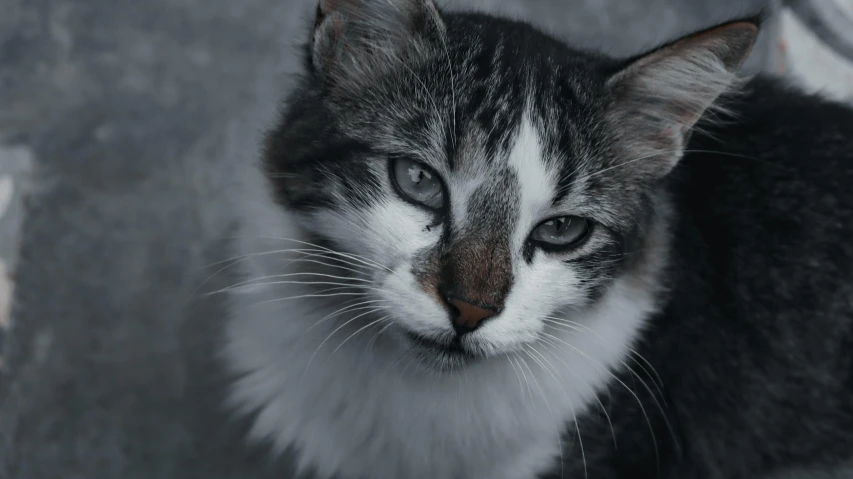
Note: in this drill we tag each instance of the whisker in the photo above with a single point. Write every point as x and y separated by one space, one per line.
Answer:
620 165
594 394
359 262
599 338
556 421
333 333
391 366
307 283
520 385
215 273
658 404
354 257
321 294
358 331
631 391
237 259
526 381
640 356
353 307
646 372
254 281
306 251
568 327
574 324
308 259
533 376
375 336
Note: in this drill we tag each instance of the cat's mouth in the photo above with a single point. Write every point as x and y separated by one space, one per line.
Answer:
450 351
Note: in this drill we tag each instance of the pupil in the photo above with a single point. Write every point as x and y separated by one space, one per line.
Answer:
417 175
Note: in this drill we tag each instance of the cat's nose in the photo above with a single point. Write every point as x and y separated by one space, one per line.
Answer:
467 317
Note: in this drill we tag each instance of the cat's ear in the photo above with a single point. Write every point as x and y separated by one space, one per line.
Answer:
656 100
356 39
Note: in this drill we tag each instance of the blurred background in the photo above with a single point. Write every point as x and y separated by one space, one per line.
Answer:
121 122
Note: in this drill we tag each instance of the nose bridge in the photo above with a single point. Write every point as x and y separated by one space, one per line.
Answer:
478 261
478 269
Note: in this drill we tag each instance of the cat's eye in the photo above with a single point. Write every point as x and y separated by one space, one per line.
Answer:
418 182
561 232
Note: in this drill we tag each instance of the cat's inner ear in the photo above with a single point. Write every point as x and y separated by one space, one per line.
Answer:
658 98
356 39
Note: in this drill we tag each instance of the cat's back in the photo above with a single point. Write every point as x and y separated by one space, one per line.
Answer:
778 177
761 300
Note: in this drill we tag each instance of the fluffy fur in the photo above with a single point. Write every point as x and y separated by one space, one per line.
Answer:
712 290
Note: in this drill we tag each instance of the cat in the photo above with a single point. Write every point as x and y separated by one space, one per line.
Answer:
472 251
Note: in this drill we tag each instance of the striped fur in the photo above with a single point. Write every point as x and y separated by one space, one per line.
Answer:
520 128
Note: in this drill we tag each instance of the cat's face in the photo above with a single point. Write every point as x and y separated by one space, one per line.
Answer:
476 170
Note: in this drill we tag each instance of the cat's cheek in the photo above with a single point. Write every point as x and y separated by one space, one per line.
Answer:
387 233
397 234
409 305
541 289
402 228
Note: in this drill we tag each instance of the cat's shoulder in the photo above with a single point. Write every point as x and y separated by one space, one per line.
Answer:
783 159
775 110
775 134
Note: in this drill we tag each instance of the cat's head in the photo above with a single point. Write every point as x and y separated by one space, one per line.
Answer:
487 180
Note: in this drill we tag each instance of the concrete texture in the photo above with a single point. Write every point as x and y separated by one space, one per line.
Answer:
132 116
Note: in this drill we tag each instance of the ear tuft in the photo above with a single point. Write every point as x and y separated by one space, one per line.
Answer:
355 39
731 43
658 98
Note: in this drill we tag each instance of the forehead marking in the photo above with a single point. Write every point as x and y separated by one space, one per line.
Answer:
537 181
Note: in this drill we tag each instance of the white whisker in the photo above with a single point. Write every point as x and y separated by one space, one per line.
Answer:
320 294
631 391
376 336
305 283
239 258
353 307
594 394
640 356
356 332
333 333
620 165
557 423
526 380
254 281
520 384
354 257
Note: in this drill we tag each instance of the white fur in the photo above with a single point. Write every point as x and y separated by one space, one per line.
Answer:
537 181
360 408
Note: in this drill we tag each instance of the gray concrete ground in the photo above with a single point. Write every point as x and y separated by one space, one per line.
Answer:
121 122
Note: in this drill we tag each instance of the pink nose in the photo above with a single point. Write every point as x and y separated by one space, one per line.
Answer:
469 316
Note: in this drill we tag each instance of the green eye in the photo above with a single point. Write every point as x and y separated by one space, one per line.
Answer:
561 232
418 183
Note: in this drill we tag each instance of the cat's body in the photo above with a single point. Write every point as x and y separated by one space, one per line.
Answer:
755 346
706 304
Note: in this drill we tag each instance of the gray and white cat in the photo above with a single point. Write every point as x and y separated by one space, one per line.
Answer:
472 251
